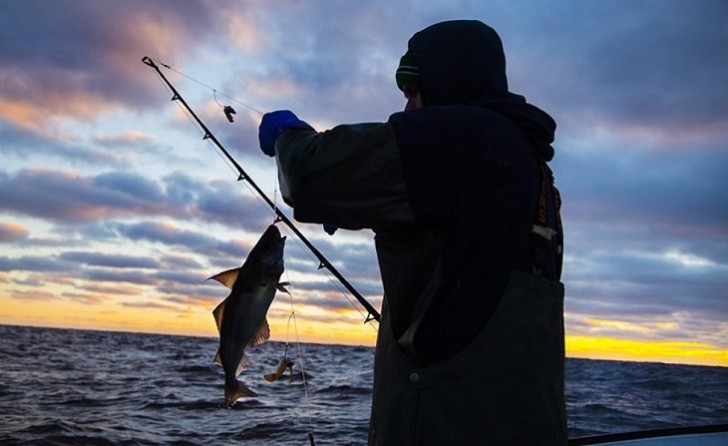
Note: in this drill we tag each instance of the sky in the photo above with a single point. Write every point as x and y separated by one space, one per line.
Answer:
114 211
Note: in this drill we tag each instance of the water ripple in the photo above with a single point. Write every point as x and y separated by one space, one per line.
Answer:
69 387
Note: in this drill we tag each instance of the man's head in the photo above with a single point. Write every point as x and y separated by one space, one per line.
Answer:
409 81
453 62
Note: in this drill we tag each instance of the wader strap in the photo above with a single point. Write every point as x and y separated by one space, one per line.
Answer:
541 233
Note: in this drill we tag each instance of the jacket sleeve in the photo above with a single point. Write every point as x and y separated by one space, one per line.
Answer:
349 176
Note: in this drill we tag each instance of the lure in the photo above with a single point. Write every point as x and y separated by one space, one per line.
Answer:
229 112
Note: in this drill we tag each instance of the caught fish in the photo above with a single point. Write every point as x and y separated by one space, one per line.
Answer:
241 317
280 370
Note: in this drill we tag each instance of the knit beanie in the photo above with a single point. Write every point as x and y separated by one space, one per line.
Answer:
408 72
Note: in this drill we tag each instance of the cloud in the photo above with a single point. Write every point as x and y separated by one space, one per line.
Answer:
645 201
85 298
33 295
109 289
181 277
642 327
70 197
87 59
121 276
202 296
636 88
193 241
107 260
177 261
12 232
330 62
26 144
31 263
655 65
149 306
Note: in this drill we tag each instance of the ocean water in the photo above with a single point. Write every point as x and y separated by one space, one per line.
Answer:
75 387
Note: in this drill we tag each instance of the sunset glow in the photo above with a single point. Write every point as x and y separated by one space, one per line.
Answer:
114 210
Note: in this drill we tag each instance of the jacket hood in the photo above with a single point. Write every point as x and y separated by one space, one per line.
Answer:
537 125
460 62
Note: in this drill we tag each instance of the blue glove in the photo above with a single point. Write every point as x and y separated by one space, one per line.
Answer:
272 125
330 229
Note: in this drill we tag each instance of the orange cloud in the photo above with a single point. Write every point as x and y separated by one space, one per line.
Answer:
12 231
117 289
35 295
34 113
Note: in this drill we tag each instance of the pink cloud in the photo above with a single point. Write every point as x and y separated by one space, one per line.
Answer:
87 60
12 232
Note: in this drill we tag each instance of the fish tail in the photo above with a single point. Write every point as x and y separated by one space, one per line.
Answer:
236 390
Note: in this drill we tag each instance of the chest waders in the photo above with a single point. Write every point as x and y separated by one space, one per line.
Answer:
505 388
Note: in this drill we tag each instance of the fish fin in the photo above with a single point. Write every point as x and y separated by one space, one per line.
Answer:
217 314
261 335
282 287
243 364
217 359
239 391
227 277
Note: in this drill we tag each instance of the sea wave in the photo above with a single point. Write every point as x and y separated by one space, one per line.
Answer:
70 387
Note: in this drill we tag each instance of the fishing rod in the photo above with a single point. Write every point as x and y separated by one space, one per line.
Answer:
280 216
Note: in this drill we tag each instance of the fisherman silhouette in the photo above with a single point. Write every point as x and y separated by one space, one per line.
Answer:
458 191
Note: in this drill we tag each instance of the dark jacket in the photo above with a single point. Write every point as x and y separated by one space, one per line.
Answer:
452 192
471 164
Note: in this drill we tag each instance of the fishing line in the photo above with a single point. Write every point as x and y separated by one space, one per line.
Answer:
221 155
275 209
307 398
280 216
214 96
242 175
259 199
275 198
214 90
326 273
369 321
328 276
195 124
